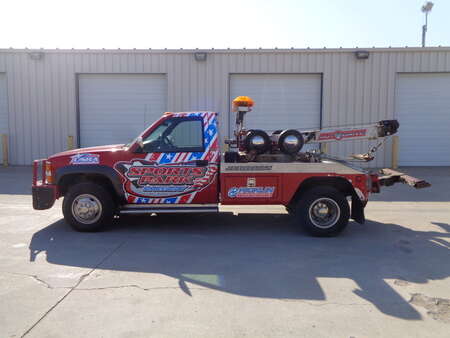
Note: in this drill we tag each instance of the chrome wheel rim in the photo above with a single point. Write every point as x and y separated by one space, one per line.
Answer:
324 212
86 209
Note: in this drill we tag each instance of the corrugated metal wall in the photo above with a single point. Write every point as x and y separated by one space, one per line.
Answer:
42 91
4 125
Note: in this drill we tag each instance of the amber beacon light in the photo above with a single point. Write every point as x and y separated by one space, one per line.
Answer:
241 102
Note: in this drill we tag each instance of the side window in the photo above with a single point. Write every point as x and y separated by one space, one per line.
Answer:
188 134
176 135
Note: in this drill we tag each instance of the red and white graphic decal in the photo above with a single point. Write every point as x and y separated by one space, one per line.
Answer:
342 134
150 179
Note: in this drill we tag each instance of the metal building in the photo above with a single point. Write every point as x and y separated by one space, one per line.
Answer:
49 97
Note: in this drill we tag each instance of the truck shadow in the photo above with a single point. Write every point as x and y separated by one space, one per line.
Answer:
258 255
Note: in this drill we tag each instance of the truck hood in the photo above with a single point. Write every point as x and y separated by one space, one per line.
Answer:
97 149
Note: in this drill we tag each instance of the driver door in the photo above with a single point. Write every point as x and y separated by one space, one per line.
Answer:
178 164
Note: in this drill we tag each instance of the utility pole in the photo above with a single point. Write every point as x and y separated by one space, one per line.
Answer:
426 8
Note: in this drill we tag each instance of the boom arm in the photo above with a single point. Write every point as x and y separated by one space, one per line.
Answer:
363 132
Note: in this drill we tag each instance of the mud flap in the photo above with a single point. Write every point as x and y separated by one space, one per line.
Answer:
358 210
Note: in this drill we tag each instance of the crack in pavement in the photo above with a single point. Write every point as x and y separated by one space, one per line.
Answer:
40 281
80 280
137 287
326 304
174 288
49 286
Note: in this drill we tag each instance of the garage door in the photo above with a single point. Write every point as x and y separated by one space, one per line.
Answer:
116 108
423 110
3 112
281 100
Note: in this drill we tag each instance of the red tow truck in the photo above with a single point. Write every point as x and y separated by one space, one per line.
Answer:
175 166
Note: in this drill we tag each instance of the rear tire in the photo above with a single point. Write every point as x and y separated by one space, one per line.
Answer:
323 211
88 207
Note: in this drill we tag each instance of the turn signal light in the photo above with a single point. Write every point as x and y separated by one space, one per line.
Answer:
48 173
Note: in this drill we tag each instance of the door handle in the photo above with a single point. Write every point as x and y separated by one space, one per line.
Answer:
201 163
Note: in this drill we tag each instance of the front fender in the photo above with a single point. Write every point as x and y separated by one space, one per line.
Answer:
102 170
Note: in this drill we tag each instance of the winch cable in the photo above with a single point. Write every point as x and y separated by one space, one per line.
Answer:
368 156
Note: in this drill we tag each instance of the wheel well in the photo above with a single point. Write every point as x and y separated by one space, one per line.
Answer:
67 181
339 183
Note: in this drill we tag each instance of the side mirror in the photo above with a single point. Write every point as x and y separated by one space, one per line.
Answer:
140 143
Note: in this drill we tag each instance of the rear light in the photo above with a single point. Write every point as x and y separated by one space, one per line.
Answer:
48 172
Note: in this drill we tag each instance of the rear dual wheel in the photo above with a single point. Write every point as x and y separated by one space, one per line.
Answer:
323 211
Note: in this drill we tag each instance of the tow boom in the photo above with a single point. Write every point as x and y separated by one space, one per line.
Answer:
363 132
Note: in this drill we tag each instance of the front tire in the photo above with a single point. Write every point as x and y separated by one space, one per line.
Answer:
323 211
88 207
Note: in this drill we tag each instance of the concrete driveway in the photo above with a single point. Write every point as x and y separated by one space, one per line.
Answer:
252 274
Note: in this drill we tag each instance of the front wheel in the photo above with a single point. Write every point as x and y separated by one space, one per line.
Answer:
323 211
88 207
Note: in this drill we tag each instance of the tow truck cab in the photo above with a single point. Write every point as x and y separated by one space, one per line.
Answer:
176 166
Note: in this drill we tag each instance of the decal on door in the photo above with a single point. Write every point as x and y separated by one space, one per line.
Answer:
155 180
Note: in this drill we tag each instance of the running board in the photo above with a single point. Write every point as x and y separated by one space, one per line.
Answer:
168 209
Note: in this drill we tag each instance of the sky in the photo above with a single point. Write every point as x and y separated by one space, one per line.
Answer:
209 24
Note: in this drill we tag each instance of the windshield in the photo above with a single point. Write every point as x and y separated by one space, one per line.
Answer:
128 145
